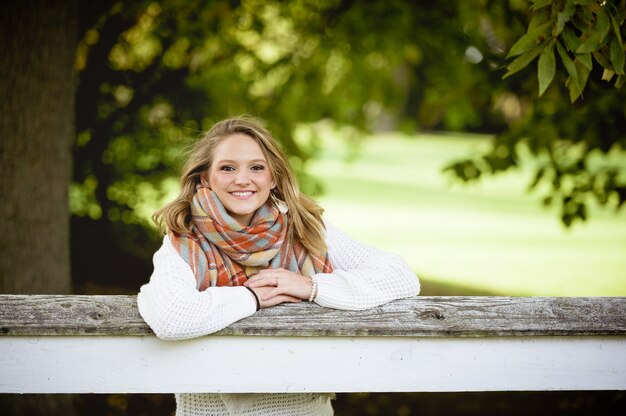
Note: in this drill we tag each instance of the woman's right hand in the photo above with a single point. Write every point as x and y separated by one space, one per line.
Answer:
276 300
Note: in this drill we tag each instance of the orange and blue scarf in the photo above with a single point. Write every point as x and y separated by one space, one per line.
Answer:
222 252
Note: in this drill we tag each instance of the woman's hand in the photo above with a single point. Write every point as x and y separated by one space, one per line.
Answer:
271 284
262 292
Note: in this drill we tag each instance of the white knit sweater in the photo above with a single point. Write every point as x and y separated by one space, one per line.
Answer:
363 277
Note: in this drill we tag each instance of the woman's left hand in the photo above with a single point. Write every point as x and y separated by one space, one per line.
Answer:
285 282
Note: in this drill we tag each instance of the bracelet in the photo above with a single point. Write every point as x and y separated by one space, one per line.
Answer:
256 298
313 294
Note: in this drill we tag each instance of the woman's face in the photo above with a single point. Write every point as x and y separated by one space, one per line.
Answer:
240 176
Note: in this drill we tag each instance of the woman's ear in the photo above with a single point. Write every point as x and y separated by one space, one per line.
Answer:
204 181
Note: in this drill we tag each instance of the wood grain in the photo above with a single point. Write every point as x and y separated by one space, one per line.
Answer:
444 316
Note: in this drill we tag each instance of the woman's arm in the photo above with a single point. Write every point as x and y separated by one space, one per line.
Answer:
173 307
363 276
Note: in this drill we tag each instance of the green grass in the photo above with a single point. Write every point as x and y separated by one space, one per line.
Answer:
491 237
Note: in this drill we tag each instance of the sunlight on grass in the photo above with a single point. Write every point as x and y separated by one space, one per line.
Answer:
490 236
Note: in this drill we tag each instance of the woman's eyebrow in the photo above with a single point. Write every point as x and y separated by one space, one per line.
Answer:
245 161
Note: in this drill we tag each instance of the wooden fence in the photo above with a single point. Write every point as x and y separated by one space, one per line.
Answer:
100 344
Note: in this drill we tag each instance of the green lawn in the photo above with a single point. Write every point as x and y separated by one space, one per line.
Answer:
485 238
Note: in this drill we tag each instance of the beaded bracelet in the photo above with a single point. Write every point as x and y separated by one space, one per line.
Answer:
313 289
256 298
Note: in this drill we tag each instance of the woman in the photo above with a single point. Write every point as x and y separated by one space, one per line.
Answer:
240 237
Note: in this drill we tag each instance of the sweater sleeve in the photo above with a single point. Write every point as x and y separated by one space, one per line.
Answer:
173 307
363 276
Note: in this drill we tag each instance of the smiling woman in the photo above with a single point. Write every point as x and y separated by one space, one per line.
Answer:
240 237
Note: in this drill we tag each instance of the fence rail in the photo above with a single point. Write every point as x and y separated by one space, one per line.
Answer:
84 344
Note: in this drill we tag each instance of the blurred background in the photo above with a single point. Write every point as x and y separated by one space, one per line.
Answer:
385 108
406 120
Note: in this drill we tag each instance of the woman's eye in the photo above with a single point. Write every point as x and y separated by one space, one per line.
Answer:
258 167
227 168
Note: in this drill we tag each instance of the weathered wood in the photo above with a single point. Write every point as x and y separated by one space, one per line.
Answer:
417 317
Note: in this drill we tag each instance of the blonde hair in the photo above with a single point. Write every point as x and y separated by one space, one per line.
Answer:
304 214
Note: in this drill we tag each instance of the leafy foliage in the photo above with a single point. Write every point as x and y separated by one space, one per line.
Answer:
578 147
579 30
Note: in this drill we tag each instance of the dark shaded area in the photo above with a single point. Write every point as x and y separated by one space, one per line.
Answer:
101 267
482 403
400 404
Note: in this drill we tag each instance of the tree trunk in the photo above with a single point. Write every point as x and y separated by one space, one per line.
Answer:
37 86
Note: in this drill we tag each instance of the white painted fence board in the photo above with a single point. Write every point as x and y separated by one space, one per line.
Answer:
145 364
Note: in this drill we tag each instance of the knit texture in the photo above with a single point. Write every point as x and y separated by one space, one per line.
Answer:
252 404
363 277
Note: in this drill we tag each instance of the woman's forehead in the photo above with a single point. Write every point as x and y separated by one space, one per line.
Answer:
239 147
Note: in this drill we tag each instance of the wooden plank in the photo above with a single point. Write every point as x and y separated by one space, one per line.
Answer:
443 316
237 364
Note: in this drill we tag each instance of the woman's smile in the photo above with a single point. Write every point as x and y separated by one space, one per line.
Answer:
242 194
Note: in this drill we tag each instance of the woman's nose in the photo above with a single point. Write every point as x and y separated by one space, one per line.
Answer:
242 177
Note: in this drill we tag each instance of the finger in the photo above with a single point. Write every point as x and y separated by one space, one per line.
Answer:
284 299
272 294
259 282
270 274
262 273
264 279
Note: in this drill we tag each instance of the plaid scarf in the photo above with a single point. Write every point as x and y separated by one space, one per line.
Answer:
222 252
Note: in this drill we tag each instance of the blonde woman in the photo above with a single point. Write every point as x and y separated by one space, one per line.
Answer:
241 236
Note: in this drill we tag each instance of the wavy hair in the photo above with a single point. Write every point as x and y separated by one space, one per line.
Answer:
304 214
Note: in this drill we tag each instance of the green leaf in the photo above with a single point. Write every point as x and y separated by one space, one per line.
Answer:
563 17
602 60
538 4
529 40
597 39
583 72
575 91
522 61
567 61
571 40
607 75
592 44
585 59
576 88
546 68
617 56
583 19
620 81
573 83
603 24
540 18
617 31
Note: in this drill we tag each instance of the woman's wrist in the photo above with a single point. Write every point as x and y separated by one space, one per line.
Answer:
256 298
